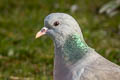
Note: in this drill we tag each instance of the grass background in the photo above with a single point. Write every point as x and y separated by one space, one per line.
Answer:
24 58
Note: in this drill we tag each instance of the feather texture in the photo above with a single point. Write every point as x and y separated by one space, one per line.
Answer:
74 59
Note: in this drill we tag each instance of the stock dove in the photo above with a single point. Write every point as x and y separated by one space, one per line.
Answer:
74 59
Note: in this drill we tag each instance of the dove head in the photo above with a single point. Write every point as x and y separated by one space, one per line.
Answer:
59 26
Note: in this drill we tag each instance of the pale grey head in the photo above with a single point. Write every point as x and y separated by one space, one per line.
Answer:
59 26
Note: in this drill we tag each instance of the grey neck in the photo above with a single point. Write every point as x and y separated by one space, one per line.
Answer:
68 51
71 49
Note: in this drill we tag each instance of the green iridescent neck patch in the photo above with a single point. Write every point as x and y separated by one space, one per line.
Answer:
74 48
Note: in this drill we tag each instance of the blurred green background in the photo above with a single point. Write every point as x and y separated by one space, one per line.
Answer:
22 57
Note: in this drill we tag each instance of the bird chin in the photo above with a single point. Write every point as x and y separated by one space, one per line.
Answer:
51 34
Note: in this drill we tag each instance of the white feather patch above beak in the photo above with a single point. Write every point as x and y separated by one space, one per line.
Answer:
41 32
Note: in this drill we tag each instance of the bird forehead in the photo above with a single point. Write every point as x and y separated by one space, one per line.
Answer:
54 16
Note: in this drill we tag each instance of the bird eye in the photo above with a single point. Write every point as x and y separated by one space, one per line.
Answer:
56 23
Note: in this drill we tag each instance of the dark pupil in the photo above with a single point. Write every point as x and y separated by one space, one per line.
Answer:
56 23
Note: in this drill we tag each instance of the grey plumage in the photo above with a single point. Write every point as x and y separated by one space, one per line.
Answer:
74 59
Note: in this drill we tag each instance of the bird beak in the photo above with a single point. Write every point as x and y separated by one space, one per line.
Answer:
41 32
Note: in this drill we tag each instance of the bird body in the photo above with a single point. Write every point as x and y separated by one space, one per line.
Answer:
74 59
82 63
